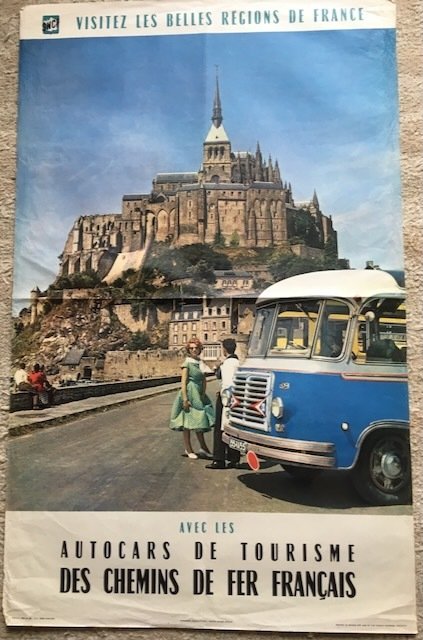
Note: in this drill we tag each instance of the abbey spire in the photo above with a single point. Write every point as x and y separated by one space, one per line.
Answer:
217 107
217 166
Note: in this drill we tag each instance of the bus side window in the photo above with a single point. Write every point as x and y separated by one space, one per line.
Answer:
333 329
382 331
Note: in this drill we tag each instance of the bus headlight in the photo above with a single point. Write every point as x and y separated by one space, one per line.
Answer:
277 408
226 397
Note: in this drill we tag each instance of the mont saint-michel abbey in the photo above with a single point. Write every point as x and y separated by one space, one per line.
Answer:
236 197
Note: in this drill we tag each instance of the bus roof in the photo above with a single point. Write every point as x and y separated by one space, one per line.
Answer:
342 283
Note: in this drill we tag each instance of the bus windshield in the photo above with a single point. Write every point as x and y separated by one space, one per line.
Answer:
301 328
295 328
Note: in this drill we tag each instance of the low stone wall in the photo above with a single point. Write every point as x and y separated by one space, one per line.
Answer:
21 400
303 251
151 362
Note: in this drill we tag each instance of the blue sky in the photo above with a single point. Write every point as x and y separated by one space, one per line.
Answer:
99 117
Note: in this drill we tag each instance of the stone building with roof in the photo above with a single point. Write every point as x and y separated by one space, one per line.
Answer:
236 198
210 320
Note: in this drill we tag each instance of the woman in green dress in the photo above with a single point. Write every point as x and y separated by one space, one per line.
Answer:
192 409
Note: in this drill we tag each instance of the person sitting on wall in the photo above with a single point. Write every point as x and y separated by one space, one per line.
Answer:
37 378
22 384
21 378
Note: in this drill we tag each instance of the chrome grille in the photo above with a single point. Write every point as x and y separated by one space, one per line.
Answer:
250 399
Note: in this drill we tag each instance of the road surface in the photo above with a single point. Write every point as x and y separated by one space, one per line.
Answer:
126 459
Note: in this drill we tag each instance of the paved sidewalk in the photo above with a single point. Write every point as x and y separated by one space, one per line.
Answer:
21 422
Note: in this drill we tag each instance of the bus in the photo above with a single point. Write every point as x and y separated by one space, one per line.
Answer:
324 384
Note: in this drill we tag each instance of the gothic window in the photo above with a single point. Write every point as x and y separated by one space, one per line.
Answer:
209 152
214 179
222 152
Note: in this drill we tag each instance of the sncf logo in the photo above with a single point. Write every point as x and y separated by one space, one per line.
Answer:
50 24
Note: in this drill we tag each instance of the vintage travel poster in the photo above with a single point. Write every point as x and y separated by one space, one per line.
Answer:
205 188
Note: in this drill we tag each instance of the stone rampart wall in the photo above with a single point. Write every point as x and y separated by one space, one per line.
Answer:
138 364
22 400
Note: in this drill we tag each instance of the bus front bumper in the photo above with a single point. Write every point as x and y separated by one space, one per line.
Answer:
301 452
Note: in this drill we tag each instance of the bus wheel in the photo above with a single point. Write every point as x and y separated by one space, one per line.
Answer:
382 474
301 473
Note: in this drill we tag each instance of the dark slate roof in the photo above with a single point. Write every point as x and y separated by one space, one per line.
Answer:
162 178
136 196
266 185
190 307
222 273
225 186
73 356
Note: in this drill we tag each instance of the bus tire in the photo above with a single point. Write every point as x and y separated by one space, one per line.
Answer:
382 475
301 473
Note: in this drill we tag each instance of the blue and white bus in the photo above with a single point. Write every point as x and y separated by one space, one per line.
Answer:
324 384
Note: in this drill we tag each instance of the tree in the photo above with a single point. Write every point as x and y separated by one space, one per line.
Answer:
287 265
331 253
139 341
219 240
85 280
234 241
201 271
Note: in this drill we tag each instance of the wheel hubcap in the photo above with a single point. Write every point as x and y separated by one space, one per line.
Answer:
391 465
388 465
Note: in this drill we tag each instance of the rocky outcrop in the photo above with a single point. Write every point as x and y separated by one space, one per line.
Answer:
90 324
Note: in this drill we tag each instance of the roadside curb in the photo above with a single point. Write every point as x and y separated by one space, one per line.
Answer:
24 429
